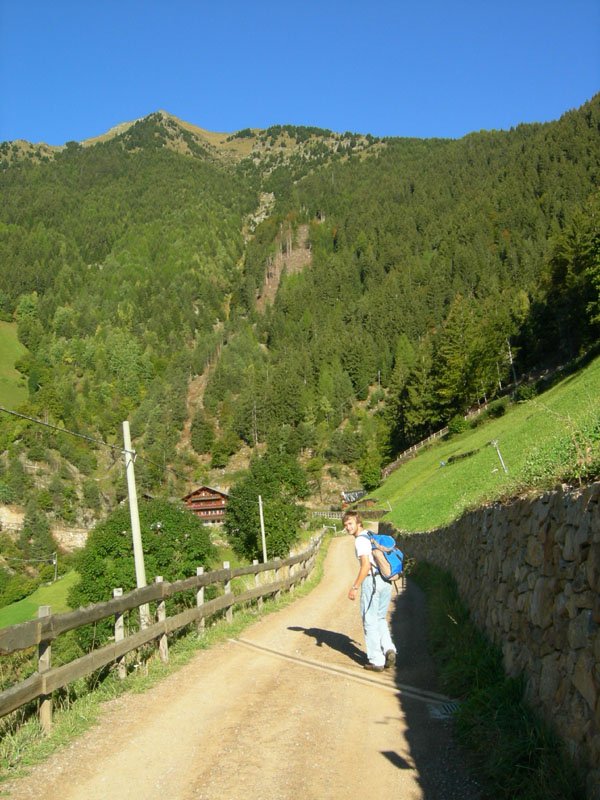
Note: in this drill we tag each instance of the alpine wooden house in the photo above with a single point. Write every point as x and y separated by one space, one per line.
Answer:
209 504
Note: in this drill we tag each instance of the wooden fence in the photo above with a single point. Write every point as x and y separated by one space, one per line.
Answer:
327 514
366 511
42 631
411 453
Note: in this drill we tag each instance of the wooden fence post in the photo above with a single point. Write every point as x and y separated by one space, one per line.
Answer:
292 571
277 572
161 615
307 564
119 636
259 602
227 590
200 602
44 657
27 635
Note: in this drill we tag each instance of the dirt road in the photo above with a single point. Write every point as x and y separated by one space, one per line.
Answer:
286 711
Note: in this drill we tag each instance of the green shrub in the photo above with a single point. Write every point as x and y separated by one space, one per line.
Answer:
376 397
174 542
91 495
497 408
369 470
280 481
46 573
7 494
202 434
524 392
17 588
37 452
44 500
457 425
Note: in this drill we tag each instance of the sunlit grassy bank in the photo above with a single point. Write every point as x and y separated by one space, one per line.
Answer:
53 595
539 440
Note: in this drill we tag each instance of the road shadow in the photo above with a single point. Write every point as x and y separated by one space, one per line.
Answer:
334 640
442 766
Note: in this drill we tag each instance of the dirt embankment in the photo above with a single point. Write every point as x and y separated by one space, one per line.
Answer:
294 259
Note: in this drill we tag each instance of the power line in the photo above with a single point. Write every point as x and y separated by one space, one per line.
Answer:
60 430
136 454
28 560
162 467
101 442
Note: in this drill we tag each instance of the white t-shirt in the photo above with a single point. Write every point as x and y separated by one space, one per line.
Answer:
362 547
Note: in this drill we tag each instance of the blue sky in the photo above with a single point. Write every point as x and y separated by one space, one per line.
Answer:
70 70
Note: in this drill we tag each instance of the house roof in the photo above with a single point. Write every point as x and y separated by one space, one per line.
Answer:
205 488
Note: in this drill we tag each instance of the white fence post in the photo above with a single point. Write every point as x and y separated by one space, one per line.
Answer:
27 635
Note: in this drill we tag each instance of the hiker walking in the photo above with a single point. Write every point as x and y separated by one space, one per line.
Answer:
375 596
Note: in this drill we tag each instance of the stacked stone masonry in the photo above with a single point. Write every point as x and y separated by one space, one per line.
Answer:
529 571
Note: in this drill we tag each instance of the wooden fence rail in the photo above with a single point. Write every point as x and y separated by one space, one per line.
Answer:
328 514
43 630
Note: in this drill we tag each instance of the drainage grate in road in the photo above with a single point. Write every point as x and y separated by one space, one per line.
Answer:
442 710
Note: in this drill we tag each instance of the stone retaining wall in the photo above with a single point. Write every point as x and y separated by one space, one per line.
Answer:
529 571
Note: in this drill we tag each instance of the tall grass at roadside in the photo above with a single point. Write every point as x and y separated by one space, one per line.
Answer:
517 756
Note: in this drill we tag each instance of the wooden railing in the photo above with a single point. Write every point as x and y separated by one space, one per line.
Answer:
43 630
328 514
411 453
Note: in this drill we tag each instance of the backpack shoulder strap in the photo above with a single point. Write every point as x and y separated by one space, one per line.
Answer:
377 545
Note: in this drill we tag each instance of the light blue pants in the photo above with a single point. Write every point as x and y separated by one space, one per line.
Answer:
375 596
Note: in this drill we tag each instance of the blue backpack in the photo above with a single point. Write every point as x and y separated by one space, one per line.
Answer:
387 556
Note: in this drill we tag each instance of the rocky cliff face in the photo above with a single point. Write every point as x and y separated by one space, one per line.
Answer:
530 573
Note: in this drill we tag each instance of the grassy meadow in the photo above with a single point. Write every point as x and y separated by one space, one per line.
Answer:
12 388
538 440
53 595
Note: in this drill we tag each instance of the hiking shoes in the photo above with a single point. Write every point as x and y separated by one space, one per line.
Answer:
390 659
374 668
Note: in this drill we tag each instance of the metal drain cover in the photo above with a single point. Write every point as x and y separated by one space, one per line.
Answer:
442 710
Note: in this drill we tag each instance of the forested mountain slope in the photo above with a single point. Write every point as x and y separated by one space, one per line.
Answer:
439 270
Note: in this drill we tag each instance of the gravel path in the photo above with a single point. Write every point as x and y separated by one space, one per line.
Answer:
284 712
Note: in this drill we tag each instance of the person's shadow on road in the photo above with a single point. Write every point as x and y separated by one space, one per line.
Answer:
336 641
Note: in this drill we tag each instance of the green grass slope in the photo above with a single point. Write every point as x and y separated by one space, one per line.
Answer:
12 390
54 595
542 441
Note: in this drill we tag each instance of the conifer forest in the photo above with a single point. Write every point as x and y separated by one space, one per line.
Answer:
310 299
